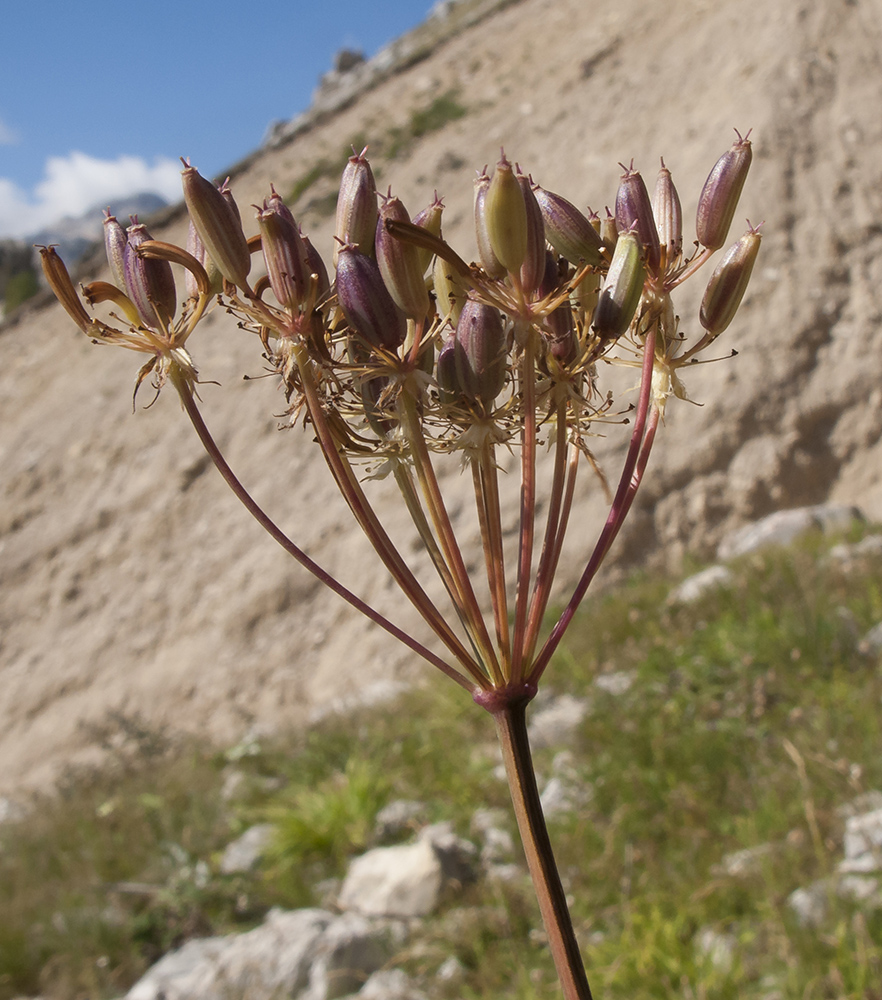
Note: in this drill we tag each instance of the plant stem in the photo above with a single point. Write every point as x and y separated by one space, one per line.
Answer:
192 410
508 707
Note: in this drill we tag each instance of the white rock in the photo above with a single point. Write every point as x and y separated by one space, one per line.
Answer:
243 853
616 682
402 881
699 584
872 641
863 835
350 949
718 948
390 984
785 526
555 723
810 905
740 864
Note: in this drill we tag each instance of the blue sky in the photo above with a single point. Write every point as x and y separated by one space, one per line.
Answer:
103 96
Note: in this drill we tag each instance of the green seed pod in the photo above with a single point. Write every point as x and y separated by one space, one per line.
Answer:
634 211
449 293
218 226
400 263
622 288
720 194
533 268
567 229
486 254
481 361
728 283
430 220
356 219
506 216
609 231
668 215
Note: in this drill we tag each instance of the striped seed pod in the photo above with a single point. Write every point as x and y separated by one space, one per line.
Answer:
668 215
728 283
480 364
622 288
449 293
150 283
567 229
283 253
115 240
400 263
533 268
217 222
366 302
356 219
634 211
720 194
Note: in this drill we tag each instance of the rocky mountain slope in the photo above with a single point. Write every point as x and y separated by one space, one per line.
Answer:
129 578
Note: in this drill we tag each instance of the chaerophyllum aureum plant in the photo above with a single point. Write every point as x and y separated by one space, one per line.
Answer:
400 353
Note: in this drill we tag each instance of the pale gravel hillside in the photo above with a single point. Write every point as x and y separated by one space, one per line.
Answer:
129 578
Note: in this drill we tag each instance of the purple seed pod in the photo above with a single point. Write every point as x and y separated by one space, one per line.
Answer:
356 219
196 247
481 362
317 267
622 288
366 302
567 229
559 325
430 220
533 267
489 261
149 283
668 214
115 240
728 283
283 253
217 221
634 211
446 371
720 194
400 263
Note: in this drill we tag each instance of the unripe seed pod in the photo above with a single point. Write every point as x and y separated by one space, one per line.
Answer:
481 362
115 240
486 254
356 219
622 288
668 214
533 268
449 293
720 194
284 255
728 283
506 216
150 283
430 220
217 221
609 231
58 279
567 229
634 211
366 302
400 263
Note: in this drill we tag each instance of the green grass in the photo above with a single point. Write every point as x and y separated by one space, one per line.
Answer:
752 717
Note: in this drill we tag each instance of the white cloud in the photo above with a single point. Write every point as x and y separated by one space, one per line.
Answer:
8 136
74 183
